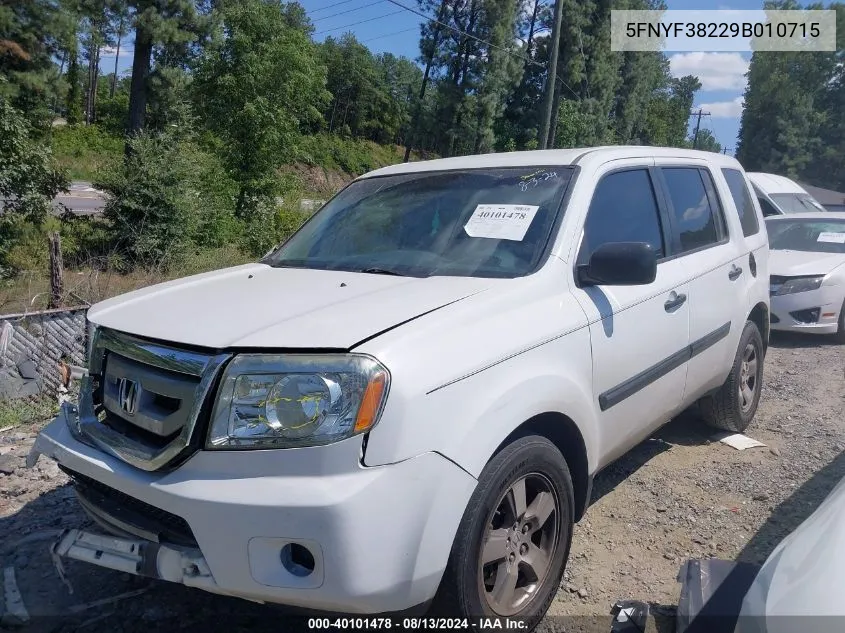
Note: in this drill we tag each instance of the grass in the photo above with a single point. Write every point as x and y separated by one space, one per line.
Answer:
21 412
29 291
351 156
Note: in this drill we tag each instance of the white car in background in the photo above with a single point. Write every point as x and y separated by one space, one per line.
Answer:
779 195
807 272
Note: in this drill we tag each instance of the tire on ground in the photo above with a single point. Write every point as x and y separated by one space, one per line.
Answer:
727 409
462 592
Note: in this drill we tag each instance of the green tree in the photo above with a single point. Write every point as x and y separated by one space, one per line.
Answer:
29 178
256 87
792 120
475 68
361 103
706 141
165 197
667 115
827 167
73 99
171 26
402 79
31 33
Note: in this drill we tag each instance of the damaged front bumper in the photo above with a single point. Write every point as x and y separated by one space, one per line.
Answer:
245 517
137 557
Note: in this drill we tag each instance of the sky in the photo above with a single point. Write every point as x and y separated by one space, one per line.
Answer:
386 27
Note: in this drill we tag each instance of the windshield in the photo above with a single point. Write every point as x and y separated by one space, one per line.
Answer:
796 202
469 223
812 236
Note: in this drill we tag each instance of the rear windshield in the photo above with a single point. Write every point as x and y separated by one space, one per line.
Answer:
470 223
796 202
813 236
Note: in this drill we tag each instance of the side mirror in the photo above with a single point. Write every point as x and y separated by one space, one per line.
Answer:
620 264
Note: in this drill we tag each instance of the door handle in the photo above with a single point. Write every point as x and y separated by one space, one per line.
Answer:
734 274
674 301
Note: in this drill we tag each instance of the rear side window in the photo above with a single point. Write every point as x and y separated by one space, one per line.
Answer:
623 209
742 199
695 218
767 208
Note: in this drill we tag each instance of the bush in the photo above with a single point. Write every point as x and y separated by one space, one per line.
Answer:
165 198
86 150
113 113
86 242
29 180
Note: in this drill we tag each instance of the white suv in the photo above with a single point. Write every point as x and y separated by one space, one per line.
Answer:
406 403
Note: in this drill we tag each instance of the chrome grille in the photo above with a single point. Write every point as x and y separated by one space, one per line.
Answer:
157 400
141 400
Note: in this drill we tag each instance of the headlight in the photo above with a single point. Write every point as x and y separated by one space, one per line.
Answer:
289 401
800 284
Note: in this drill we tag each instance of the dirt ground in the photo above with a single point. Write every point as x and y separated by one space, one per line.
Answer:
676 496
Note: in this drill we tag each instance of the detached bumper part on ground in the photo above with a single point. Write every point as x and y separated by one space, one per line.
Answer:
711 597
377 539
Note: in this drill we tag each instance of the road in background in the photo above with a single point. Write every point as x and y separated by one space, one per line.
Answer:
81 199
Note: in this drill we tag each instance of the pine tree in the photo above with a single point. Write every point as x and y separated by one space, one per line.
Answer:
73 99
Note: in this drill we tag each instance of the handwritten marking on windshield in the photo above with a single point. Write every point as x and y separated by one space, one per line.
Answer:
532 180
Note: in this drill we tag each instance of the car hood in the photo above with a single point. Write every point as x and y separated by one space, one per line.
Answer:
256 305
797 263
803 575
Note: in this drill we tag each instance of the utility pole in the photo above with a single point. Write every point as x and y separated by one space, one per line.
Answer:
548 97
700 114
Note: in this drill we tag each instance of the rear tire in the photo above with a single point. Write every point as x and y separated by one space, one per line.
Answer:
733 407
839 337
513 541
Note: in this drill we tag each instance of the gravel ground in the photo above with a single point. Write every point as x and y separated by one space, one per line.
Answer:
678 495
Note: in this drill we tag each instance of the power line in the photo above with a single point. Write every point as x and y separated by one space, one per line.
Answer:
330 6
378 37
334 15
378 17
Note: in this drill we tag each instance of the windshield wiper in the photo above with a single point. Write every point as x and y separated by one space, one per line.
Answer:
380 271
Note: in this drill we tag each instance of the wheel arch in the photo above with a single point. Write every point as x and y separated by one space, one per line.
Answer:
561 431
759 315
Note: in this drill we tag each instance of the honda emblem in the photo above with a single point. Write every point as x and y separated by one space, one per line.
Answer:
127 395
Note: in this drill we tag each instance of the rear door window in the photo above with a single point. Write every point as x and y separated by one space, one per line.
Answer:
743 201
697 222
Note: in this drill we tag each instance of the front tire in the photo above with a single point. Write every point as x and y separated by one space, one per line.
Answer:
733 407
513 541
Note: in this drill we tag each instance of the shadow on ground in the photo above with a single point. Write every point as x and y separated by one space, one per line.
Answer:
687 429
723 605
797 340
789 514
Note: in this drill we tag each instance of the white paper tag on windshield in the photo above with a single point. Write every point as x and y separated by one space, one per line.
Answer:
836 238
501 221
